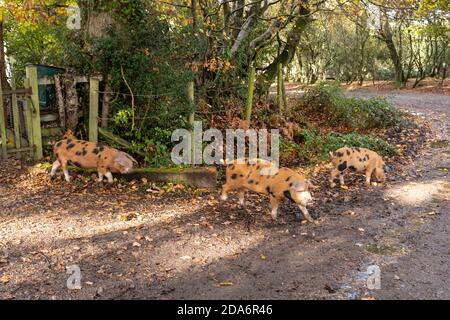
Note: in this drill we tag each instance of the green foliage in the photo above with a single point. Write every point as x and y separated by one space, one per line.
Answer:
327 100
315 147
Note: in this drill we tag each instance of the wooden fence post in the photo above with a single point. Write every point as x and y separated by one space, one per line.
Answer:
191 98
3 124
16 120
249 102
28 120
93 109
31 74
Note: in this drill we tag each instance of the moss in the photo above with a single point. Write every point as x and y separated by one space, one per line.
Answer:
385 249
439 144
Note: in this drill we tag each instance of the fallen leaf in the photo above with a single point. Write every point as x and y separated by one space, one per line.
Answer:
225 284
4 279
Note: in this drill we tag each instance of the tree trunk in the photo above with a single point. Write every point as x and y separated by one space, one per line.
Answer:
246 28
293 38
60 102
105 104
386 36
4 82
71 101
238 17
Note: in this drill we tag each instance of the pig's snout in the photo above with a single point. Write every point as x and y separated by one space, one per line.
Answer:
306 198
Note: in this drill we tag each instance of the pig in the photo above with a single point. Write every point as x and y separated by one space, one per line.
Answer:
263 177
87 155
356 159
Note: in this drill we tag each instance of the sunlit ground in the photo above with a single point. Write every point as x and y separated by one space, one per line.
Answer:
417 193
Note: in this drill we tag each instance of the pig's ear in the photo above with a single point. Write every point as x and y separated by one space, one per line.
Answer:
300 186
131 158
122 159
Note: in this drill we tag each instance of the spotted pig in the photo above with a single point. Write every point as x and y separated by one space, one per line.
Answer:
356 159
265 178
87 154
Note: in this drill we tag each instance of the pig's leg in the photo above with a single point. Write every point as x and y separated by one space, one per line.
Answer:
241 196
65 170
368 175
225 188
333 175
274 206
341 178
55 167
306 213
109 176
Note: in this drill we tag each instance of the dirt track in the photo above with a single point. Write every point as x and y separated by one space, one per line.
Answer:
132 241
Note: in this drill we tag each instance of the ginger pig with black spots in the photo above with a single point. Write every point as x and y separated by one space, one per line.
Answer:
266 178
356 159
85 154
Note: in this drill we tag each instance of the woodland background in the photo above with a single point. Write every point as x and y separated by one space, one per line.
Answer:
148 51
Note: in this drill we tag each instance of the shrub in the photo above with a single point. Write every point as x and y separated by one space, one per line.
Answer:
315 148
327 104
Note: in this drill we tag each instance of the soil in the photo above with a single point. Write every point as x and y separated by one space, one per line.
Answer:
140 241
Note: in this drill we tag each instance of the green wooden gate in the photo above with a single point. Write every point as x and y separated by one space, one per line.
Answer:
18 118
20 113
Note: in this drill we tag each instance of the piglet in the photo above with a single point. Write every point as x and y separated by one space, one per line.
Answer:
356 159
85 154
263 177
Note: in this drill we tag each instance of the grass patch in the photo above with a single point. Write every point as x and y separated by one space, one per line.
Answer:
385 249
439 144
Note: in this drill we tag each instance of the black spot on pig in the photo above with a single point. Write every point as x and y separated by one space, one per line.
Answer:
339 154
342 166
287 194
78 153
352 168
234 176
58 144
100 147
251 181
288 178
95 151
70 146
84 152
269 191
348 152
